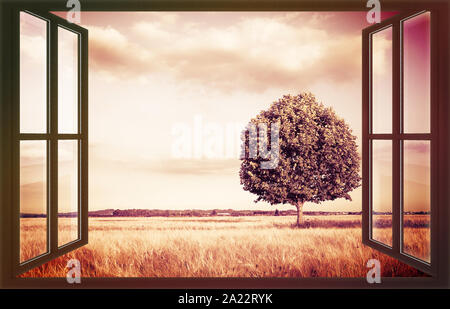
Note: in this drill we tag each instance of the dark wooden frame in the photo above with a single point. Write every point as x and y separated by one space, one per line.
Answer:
51 138
440 279
397 137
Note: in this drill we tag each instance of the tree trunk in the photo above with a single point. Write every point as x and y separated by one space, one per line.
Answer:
299 213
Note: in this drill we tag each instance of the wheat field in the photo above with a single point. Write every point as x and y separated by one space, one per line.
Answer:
258 246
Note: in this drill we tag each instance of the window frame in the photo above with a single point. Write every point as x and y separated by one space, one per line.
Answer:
440 280
397 137
52 138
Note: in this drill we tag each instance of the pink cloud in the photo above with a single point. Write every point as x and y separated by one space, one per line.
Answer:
253 53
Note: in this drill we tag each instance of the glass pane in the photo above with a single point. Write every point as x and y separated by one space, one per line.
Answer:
33 74
416 199
382 81
33 199
416 74
382 191
67 191
67 81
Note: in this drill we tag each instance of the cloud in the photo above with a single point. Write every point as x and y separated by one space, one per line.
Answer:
419 147
111 52
195 167
129 160
253 53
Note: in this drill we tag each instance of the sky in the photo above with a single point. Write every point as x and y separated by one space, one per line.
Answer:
170 92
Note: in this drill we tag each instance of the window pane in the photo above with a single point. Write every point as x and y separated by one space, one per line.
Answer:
33 199
33 74
416 199
67 191
67 81
382 81
416 74
382 191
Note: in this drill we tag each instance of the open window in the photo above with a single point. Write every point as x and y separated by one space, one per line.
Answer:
50 138
44 166
400 138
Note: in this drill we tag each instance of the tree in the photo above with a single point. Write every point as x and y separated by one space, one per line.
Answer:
317 155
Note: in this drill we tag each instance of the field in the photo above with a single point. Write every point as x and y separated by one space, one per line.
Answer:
254 246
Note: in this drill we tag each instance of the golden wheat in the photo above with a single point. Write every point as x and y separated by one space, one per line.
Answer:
259 246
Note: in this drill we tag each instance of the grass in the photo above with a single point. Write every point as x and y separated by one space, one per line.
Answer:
259 246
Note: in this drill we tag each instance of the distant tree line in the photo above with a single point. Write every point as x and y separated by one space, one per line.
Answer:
211 213
203 213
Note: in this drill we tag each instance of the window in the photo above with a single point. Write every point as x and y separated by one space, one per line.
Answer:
39 146
50 138
399 139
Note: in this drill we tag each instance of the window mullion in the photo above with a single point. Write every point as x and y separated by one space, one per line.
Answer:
396 117
83 130
53 82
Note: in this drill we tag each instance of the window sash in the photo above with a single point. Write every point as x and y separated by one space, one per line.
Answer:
52 137
397 137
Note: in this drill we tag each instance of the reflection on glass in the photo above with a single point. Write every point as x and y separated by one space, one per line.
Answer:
416 74
33 199
416 199
382 191
67 81
67 191
33 74
382 81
